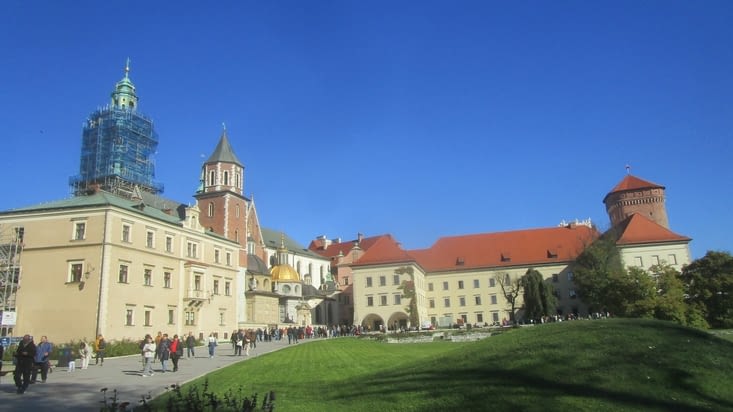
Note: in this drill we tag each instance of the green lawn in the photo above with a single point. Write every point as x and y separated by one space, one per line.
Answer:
603 365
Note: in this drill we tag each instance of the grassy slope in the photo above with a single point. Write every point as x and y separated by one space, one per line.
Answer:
610 365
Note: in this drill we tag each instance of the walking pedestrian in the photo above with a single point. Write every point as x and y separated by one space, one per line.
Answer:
24 363
212 345
43 350
164 352
100 346
176 350
148 355
190 344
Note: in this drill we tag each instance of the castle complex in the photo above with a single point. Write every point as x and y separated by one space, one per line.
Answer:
119 259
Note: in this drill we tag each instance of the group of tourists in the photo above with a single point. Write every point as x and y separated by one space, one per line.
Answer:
30 359
164 349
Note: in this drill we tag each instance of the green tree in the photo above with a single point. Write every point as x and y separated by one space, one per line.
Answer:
708 283
511 288
598 272
539 297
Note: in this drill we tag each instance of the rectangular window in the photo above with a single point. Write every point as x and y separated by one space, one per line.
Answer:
492 282
169 244
396 279
655 260
171 316
192 250
190 318
221 319
123 274
150 239
462 301
148 277
571 294
493 299
229 258
80 230
555 277
479 318
197 282
216 287
346 281
369 281
346 300
638 261
460 284
445 285
430 287
672 259
370 301
228 288
477 300
431 303
217 252
75 272
130 317
383 300
464 318
446 302
148 318
570 276
476 283
495 317
126 233
167 280
397 299
382 281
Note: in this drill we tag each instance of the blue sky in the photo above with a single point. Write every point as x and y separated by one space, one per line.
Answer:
418 119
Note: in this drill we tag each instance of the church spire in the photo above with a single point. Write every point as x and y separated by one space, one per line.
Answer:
124 96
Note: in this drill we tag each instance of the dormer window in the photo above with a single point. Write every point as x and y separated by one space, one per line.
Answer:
552 253
460 261
506 257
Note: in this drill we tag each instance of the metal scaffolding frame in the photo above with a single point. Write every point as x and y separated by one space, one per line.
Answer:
118 145
11 248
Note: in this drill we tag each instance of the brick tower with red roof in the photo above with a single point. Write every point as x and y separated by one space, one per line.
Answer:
634 195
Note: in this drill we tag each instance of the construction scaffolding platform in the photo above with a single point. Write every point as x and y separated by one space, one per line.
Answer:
11 248
118 145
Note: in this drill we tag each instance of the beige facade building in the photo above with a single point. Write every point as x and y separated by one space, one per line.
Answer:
103 264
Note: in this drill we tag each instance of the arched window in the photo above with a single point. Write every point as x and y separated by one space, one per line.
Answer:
297 267
211 209
236 180
310 268
226 178
212 178
236 210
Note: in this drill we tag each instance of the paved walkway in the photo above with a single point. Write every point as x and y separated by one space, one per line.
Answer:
80 390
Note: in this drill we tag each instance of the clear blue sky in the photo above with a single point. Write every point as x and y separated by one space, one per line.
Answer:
416 118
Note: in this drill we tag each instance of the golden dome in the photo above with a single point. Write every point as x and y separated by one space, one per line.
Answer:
284 273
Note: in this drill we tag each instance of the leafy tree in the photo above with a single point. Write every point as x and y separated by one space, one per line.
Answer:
708 284
598 273
539 297
511 288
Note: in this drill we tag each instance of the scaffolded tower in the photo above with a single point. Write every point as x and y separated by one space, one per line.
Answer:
118 144
11 247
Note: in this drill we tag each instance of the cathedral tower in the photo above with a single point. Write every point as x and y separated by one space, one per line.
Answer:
634 195
220 195
118 144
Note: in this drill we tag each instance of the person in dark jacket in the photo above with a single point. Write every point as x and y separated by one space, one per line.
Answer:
24 363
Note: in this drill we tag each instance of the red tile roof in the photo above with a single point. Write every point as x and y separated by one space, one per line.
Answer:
385 250
521 247
334 249
637 229
630 182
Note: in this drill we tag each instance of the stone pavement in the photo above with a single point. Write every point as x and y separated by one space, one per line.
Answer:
80 390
